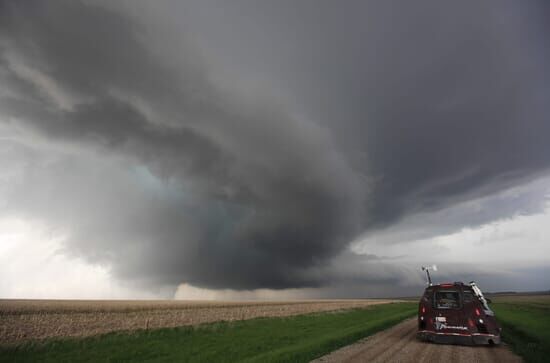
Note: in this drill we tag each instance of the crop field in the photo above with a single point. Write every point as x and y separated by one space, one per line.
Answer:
298 338
297 331
24 320
525 321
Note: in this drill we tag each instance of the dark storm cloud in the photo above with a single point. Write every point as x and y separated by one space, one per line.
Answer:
438 99
265 195
169 176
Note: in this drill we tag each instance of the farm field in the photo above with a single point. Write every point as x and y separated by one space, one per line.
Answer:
24 320
296 338
525 320
298 331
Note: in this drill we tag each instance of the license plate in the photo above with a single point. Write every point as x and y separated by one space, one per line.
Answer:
441 319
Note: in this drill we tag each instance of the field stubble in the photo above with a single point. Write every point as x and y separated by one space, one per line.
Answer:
24 320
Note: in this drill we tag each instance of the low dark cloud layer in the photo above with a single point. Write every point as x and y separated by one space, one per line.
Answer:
151 163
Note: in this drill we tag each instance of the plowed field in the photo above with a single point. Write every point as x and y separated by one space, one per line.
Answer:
22 320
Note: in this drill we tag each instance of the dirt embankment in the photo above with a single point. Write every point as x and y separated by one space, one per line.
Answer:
22 320
399 344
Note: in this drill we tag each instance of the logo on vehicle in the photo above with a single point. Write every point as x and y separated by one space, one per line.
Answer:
439 326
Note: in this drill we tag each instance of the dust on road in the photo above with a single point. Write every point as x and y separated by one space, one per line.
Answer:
399 344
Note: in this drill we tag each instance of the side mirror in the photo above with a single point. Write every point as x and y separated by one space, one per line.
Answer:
489 301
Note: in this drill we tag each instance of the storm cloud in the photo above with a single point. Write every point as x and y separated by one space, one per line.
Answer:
246 145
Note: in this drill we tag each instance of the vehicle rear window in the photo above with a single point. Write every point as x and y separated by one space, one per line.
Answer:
427 295
468 296
447 300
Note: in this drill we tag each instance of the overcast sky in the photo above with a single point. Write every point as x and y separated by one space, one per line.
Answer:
272 149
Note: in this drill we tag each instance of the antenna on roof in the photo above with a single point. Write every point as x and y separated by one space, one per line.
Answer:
427 269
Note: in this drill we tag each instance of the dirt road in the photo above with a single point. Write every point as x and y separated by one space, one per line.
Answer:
399 344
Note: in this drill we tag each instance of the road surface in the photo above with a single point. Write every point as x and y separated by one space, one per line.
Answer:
399 344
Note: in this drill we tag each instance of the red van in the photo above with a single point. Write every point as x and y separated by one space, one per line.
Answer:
456 313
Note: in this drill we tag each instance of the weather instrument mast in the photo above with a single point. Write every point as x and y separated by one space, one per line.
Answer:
427 269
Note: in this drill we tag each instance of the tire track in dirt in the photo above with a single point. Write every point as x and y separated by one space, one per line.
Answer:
378 348
399 344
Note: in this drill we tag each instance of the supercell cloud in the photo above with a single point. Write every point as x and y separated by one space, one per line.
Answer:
255 145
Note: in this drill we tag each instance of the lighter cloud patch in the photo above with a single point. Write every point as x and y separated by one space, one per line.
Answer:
32 266
526 200
47 85
500 240
514 242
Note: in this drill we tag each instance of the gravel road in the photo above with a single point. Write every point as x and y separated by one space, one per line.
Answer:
399 344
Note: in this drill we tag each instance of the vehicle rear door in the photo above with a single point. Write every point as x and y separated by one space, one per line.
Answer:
449 316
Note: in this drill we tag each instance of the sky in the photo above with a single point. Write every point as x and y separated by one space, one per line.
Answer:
210 149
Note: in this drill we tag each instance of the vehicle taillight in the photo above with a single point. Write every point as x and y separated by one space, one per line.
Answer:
423 310
478 313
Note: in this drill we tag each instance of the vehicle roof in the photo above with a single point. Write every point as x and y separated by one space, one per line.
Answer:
457 284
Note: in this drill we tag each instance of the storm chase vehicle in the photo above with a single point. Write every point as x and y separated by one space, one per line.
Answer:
456 313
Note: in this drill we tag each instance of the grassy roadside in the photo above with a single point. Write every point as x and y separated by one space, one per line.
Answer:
525 326
294 339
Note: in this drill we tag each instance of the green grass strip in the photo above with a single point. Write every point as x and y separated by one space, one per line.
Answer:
526 328
292 339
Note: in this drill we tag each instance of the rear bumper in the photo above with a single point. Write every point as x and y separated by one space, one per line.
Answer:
458 338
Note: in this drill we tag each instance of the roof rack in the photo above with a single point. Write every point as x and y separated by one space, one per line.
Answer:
479 294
